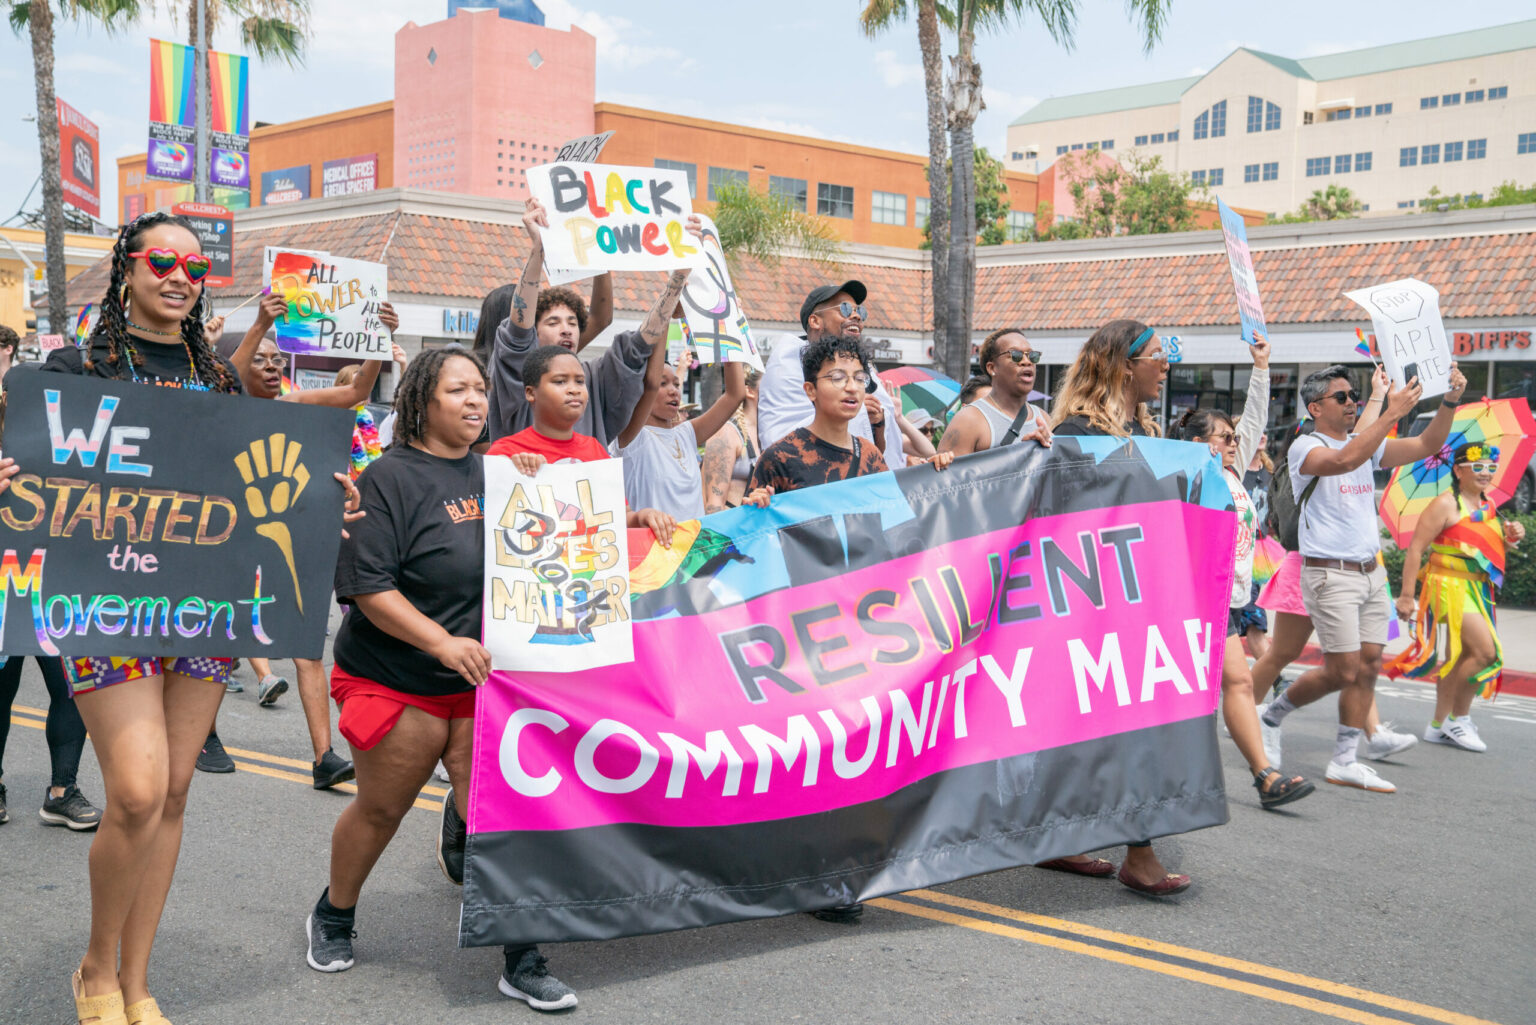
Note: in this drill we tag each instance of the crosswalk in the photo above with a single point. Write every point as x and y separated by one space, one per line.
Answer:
1509 707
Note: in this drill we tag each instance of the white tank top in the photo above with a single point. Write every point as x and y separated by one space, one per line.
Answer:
1000 421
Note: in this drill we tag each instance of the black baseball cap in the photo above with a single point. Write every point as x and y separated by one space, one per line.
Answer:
819 296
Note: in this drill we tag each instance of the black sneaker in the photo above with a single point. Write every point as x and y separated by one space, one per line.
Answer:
213 757
5 816
70 809
526 978
450 842
330 936
332 769
841 914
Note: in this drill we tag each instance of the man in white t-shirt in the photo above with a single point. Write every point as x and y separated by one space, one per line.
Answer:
838 311
1342 582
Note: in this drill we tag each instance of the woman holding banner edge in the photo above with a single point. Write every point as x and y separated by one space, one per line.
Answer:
1118 371
147 717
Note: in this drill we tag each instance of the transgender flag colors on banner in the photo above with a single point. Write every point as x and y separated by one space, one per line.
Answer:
891 682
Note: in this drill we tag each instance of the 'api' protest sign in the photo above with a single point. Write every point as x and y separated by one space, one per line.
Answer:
1409 332
719 328
333 305
117 537
614 218
556 567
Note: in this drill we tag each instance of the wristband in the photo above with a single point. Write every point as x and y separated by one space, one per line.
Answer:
1448 404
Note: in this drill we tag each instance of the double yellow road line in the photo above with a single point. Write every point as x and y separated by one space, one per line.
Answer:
1346 1003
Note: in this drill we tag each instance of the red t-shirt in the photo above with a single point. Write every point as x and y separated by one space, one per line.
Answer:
579 448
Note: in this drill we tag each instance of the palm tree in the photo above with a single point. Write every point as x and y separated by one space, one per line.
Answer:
1330 204
36 19
762 226
276 30
964 103
879 15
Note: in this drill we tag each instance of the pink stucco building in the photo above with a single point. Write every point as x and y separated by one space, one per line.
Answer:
479 97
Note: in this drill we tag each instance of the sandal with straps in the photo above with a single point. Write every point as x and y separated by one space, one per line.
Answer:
145 1012
106 1009
1283 791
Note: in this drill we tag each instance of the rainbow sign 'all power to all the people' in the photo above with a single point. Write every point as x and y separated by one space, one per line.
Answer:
614 218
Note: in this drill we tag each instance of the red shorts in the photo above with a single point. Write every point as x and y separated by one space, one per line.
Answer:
369 710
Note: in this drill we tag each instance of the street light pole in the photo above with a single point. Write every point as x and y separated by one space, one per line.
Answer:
200 180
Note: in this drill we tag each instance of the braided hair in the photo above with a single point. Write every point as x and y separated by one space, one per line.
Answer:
417 386
112 326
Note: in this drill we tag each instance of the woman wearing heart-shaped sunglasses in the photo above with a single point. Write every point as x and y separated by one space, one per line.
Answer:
148 718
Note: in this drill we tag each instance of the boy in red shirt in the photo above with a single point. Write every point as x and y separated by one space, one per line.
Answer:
556 385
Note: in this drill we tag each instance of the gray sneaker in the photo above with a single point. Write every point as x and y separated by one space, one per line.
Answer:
270 689
330 939
70 809
526 977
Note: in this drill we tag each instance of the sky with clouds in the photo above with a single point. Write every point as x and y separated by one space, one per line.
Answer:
799 66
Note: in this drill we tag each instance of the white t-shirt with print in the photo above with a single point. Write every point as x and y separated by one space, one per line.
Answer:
661 471
1339 520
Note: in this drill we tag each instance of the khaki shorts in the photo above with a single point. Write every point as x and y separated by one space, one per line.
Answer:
1347 608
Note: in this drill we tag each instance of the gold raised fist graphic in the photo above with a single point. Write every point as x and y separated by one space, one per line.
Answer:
274 480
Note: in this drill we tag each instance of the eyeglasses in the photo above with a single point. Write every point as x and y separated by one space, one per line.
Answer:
1482 467
1344 398
1020 355
1224 438
842 377
162 261
262 362
1161 357
846 309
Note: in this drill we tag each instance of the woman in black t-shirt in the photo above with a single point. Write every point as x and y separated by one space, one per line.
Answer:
408 655
1106 392
148 717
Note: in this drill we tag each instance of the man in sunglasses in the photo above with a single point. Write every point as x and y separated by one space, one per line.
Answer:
1343 584
1005 416
829 311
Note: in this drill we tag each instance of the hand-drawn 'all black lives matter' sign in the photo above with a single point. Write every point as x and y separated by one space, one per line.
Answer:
158 521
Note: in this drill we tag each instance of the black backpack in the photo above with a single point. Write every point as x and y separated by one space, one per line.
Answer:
1284 507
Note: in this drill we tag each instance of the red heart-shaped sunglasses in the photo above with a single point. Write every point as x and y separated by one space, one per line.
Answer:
162 261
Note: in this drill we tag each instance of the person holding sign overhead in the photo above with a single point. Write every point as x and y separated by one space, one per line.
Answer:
261 365
1343 583
615 381
147 717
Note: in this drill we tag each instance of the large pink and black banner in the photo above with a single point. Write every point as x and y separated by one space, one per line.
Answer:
892 682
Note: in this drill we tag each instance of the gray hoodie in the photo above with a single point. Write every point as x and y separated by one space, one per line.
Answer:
615 382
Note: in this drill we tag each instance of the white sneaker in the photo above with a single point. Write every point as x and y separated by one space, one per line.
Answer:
1463 734
441 773
1434 735
1271 735
1358 775
1386 742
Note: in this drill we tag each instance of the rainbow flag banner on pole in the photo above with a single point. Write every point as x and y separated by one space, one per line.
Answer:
229 94
172 112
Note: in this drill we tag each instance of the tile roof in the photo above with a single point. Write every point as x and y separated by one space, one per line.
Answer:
440 257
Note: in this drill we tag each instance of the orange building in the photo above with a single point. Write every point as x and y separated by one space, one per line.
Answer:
867 195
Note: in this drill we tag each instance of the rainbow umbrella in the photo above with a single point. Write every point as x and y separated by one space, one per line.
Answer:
921 388
1504 423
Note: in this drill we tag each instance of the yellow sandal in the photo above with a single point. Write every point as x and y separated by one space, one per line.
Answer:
106 1009
145 1012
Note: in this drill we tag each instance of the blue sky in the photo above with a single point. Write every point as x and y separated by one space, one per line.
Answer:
799 66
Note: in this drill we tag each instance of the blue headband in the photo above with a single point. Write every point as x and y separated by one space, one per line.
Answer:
1141 340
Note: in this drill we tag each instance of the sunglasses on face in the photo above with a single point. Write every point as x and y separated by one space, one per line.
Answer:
846 309
1020 355
841 377
162 261
1344 398
262 362
1161 357
1224 438
1482 467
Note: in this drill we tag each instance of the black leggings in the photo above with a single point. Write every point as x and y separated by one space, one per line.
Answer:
65 729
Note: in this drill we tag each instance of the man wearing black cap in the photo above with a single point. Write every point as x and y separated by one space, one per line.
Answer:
829 310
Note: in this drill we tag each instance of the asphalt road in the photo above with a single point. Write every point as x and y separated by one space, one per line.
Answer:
1413 907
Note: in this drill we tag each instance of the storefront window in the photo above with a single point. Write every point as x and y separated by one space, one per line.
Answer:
1225 387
